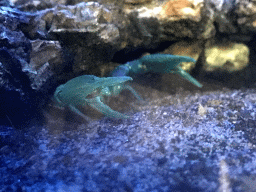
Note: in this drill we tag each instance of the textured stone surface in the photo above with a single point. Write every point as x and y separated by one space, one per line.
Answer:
226 56
183 9
245 11
89 32
18 99
160 148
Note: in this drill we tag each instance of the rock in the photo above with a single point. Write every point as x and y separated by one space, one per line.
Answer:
229 57
160 148
82 29
245 11
136 1
19 105
171 17
223 15
34 5
19 82
90 20
46 59
182 9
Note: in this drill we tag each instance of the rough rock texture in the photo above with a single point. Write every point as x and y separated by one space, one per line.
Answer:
202 142
22 86
245 11
14 55
226 56
89 32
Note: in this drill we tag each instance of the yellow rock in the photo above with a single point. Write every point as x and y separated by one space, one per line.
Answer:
229 57
182 9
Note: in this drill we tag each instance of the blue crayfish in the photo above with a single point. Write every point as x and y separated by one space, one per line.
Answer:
89 89
157 63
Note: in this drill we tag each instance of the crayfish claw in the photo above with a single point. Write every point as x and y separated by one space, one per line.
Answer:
96 104
187 76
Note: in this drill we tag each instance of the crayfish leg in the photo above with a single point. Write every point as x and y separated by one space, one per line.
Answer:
96 104
187 76
128 87
75 110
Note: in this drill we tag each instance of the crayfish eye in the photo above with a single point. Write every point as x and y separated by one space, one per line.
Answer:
116 89
105 91
99 92
94 94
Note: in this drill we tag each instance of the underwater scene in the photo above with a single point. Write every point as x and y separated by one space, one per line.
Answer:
127 96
